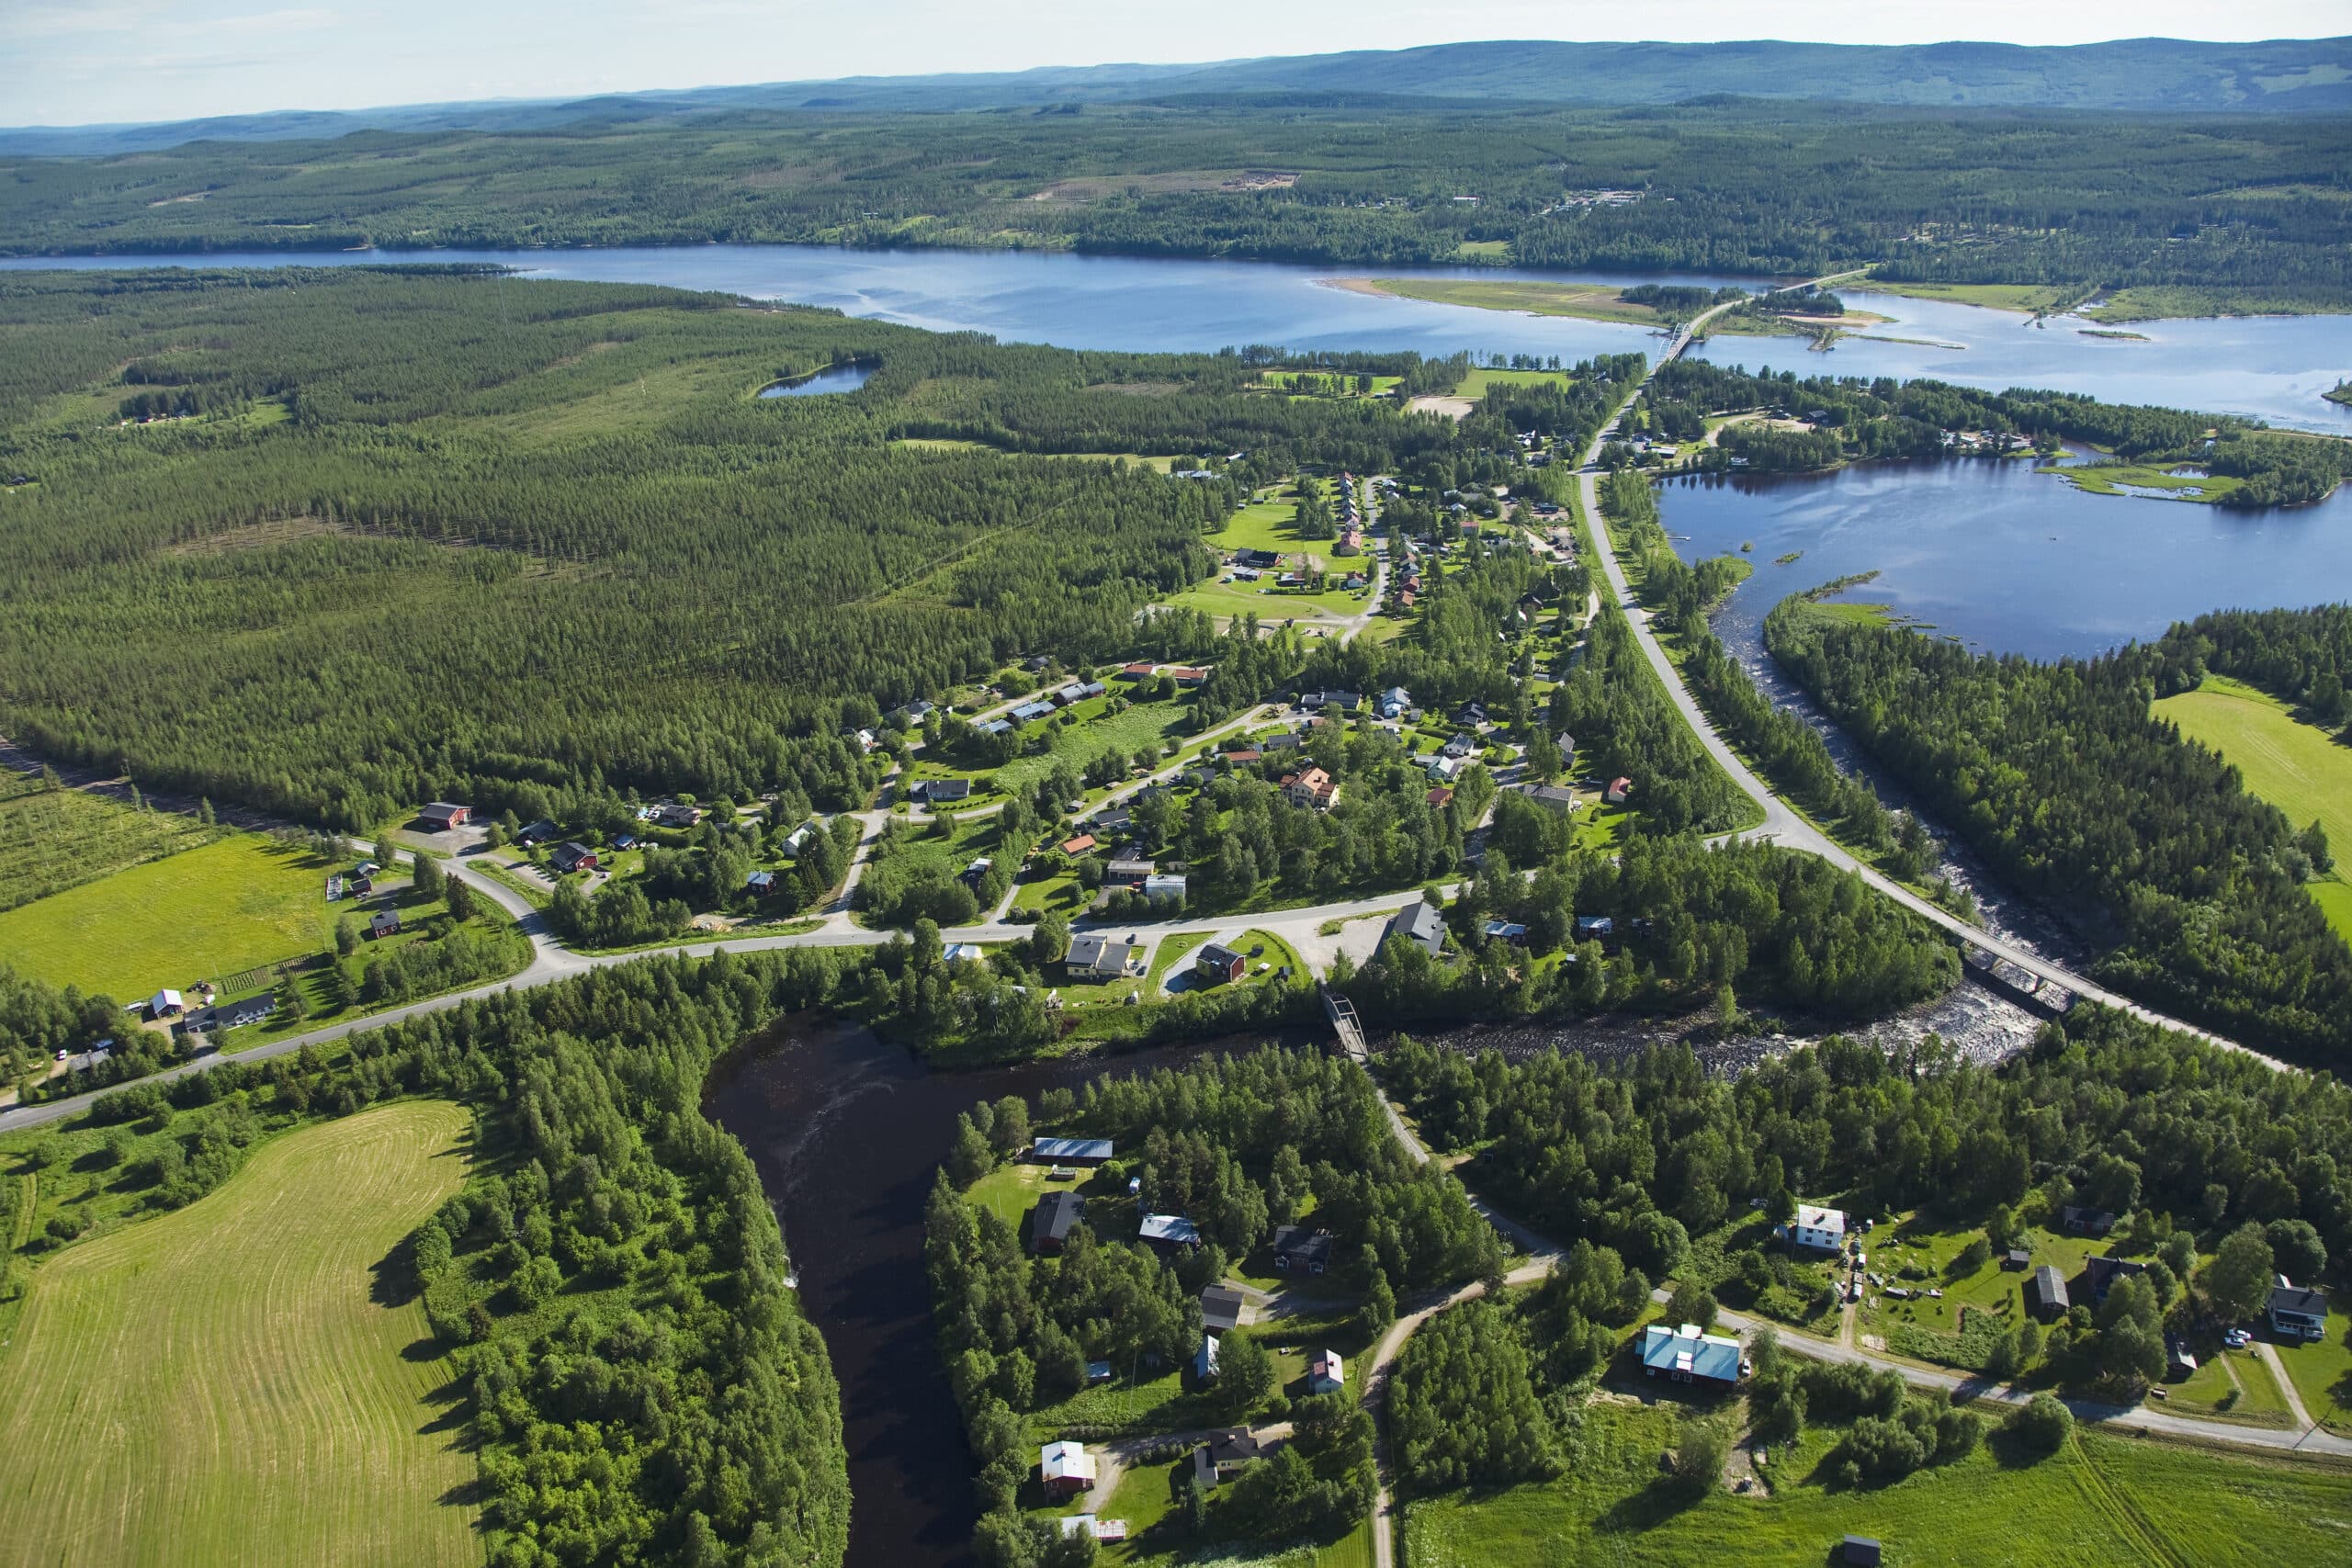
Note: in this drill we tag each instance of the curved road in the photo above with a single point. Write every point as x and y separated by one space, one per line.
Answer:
1785 826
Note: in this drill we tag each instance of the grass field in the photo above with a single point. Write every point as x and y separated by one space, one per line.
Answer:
2322 1372
2100 1499
224 1385
229 906
2027 298
2296 767
52 839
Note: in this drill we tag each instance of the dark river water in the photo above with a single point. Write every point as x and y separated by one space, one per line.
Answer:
847 1131
2273 367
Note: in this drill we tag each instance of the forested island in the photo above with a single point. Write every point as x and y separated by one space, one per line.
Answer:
2158 211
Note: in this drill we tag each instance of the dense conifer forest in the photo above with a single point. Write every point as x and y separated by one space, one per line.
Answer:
1726 185
2075 793
434 535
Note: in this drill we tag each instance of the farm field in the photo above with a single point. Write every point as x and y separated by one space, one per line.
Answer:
222 1385
52 839
2156 1501
225 907
2294 766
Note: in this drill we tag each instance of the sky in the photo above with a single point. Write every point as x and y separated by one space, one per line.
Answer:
93 62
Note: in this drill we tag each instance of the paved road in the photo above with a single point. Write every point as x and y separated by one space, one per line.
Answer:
1783 825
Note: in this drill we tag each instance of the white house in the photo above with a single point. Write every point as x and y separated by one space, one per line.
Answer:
1823 1228
1327 1373
1066 1468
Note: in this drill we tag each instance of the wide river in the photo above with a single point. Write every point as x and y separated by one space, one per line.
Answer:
2273 367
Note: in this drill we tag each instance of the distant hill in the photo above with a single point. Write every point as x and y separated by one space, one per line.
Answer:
2278 75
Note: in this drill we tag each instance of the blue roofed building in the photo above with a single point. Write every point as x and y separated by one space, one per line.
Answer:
1690 1355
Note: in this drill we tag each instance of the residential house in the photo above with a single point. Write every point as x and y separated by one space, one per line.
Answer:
1127 871
1405 598
1418 922
1183 675
2016 1259
1170 1230
1326 1373
1440 797
963 953
1396 703
442 816
978 872
2296 1313
2081 1221
237 1014
1066 1469
1690 1354
384 922
934 791
1568 745
1077 692
1218 964
1595 928
1256 558
1204 1359
2100 1274
539 832
1036 662
1507 930
1050 1221
1285 742
1223 1455
1552 796
2045 1294
568 858
911 713
1461 746
1472 713
2179 1360
764 884
1824 1229
1343 702
1313 787
1617 792
1069 1151
1096 958
996 726
1030 712
1078 846
1298 1250
1223 1307
1242 758
671 814
863 739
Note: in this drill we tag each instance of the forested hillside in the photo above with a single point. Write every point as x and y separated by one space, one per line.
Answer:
2243 205
2062 778
406 536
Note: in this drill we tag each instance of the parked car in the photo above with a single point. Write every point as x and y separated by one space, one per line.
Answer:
2237 1339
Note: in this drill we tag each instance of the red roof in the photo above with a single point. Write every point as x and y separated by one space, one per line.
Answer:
1146 668
1243 756
1440 796
1621 784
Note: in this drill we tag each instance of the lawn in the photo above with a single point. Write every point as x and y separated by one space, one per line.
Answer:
2027 298
2097 1500
224 1385
206 913
52 839
2296 767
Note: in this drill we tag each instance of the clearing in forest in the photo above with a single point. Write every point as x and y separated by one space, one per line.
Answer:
2296 767
229 1385
206 913
54 838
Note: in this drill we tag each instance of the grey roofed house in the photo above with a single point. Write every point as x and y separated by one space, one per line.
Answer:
441 815
2082 1221
1128 870
1223 1307
1224 1453
2296 1312
1298 1250
1552 796
1173 1229
1418 923
1071 1151
1050 1221
944 789
2046 1294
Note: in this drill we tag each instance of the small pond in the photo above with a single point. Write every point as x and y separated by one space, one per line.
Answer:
846 378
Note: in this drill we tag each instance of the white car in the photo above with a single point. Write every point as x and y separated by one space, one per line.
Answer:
2237 1339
